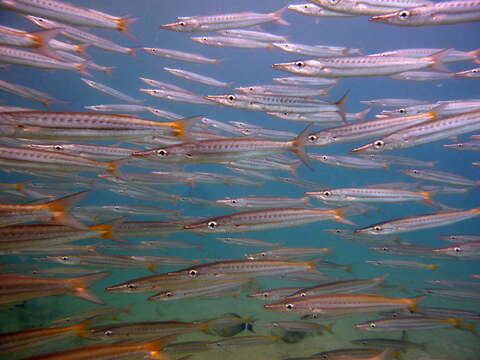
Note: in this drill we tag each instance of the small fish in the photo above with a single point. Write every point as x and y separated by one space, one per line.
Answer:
224 21
16 288
288 252
241 241
440 176
413 323
189 75
403 263
182 56
110 91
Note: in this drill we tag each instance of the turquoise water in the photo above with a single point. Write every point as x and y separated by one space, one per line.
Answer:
245 67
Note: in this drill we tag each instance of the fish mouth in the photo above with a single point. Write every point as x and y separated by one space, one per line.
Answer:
278 66
363 149
381 17
167 26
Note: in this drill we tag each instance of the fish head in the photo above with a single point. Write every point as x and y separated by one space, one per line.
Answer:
233 202
214 225
130 286
319 138
303 8
107 332
164 296
455 250
284 306
232 100
65 259
43 23
411 172
378 145
377 229
326 195
404 17
171 154
183 25
368 325
301 67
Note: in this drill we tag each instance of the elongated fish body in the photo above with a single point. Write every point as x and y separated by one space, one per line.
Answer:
223 21
266 219
89 151
339 287
119 108
274 294
288 252
408 323
189 75
235 42
210 289
342 303
355 66
403 263
439 176
289 90
180 96
144 350
349 161
468 145
110 91
29 338
15 288
315 10
274 103
263 202
316 50
163 85
22 57
41 41
369 7
444 108
28 93
181 55
306 81
68 13
80 35
417 222
369 194
366 129
467 250
253 35
425 133
451 55
442 13
423 75
243 268
471 73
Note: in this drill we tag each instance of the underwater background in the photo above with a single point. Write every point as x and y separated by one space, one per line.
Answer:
243 67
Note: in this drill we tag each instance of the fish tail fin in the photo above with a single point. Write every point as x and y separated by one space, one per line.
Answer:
132 51
217 61
108 229
151 266
277 16
181 127
42 39
292 168
437 58
434 267
413 302
114 168
341 105
61 207
80 285
299 146
108 69
328 327
348 268
80 48
339 215
468 326
156 346
82 68
123 23
360 116
82 329
475 53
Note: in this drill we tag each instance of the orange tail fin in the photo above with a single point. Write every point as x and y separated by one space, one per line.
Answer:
61 207
79 286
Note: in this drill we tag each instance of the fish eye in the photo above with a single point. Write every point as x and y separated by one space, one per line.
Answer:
457 249
289 306
334 1
474 71
299 64
460 145
312 138
303 294
193 273
415 171
181 23
231 98
402 111
403 15
58 147
327 193
266 294
108 332
325 157
251 88
132 286
377 228
263 254
385 249
64 258
212 224
378 144
234 201
168 294
162 152
372 325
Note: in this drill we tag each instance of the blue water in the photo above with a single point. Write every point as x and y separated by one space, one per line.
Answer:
245 67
